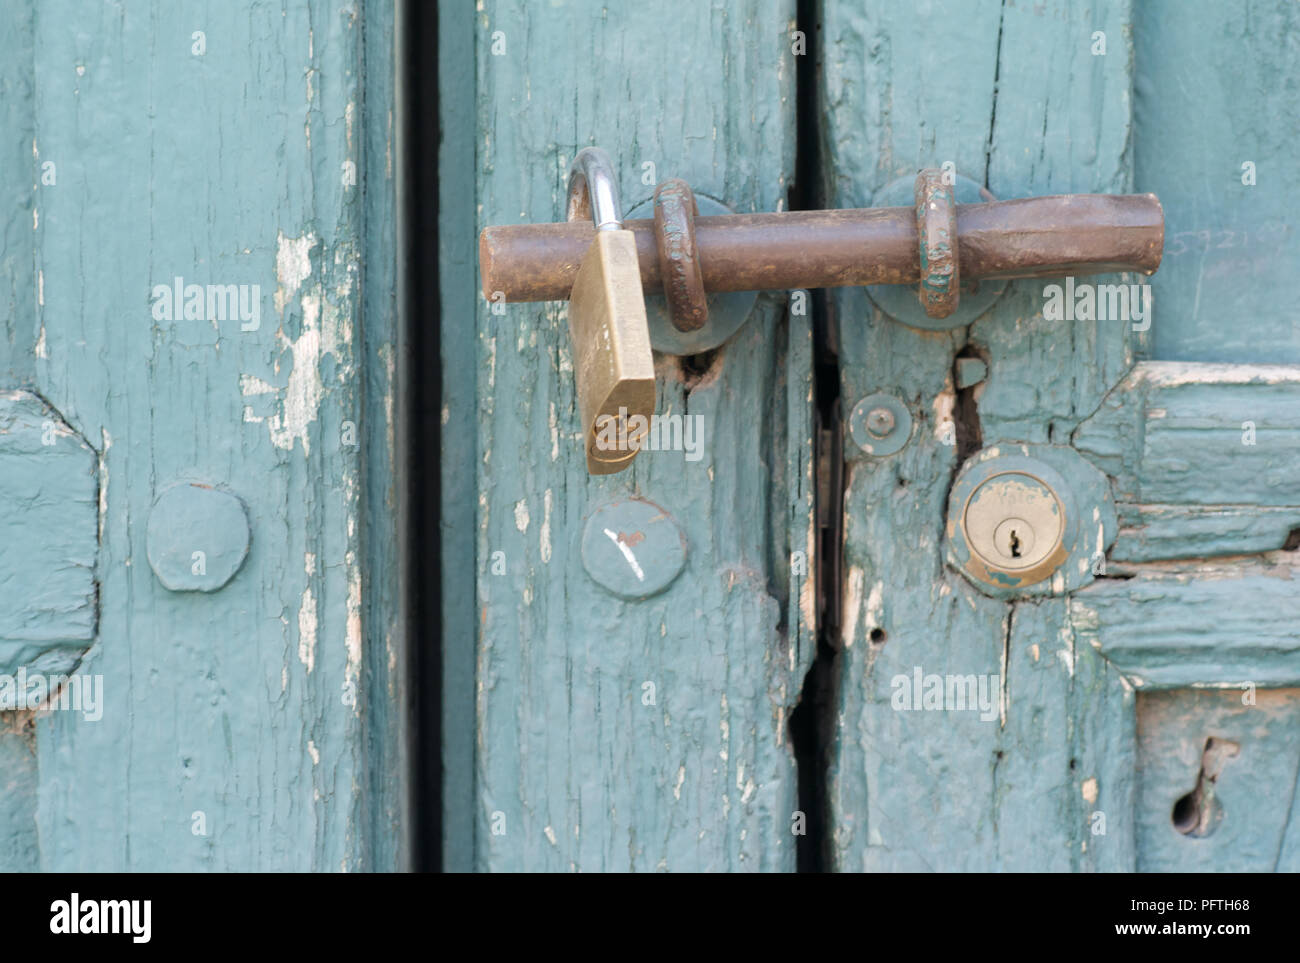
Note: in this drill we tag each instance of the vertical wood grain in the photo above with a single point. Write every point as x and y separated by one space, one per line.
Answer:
271 707
1026 109
574 770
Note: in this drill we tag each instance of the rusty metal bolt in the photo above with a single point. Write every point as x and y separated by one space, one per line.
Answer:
880 422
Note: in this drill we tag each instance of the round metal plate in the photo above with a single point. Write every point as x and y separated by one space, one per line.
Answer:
900 301
878 443
728 310
1010 484
1064 501
633 548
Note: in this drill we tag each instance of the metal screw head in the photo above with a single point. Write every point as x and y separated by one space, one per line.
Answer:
196 538
633 548
880 421
880 424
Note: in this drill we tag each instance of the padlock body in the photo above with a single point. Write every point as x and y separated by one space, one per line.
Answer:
613 366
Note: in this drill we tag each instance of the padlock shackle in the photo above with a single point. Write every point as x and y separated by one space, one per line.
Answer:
593 192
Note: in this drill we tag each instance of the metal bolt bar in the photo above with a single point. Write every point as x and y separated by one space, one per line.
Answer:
1075 234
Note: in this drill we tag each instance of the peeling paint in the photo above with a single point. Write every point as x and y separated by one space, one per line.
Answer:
1089 790
292 266
852 605
352 638
103 479
307 630
544 538
945 403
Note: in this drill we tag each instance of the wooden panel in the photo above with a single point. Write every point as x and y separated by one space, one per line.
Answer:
17 176
576 770
1182 433
1243 756
1208 100
907 88
1198 623
1203 457
236 729
48 499
19 779
385 830
1161 532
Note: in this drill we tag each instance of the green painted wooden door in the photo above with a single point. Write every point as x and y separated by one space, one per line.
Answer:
1147 720
1137 712
615 733
196 438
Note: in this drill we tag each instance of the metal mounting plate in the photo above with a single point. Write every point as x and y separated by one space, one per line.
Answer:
728 310
900 301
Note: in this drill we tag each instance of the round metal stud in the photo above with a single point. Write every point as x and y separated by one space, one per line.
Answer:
899 301
196 538
633 548
679 258
880 424
727 310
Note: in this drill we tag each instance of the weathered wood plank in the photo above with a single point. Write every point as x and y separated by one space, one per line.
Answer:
1152 533
1065 769
1019 791
1186 433
234 733
1209 103
19 845
637 734
48 496
898 612
1203 458
1247 776
20 850
1197 624
386 821
18 178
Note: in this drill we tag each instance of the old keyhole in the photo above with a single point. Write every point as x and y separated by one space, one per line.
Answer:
1199 812
1014 538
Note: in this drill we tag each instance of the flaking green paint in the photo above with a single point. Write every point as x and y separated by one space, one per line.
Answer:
267 706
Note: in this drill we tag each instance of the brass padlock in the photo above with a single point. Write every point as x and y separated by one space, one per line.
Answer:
612 364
